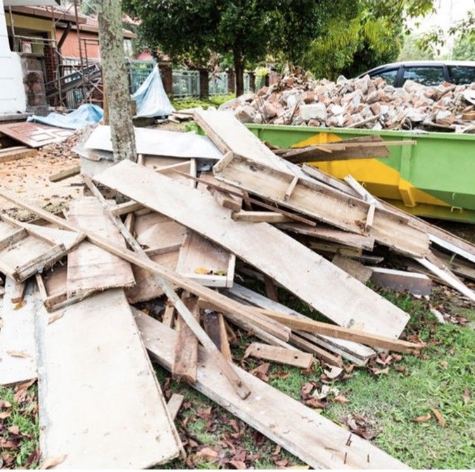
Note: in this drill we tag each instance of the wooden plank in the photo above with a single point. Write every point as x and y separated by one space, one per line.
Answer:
17 336
23 254
65 174
335 249
186 347
15 153
229 134
261 216
334 235
400 281
354 268
325 204
82 413
318 352
18 292
349 334
354 352
174 405
299 429
213 324
90 267
329 180
456 264
437 267
222 195
351 302
279 355
203 261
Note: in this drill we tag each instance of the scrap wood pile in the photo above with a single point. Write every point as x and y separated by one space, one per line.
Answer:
358 103
180 229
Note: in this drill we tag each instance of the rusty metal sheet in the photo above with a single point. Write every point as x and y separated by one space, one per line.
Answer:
35 135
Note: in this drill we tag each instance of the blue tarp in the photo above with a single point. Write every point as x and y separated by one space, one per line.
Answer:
151 98
77 119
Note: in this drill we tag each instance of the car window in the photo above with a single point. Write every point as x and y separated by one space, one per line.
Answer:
389 76
432 75
462 74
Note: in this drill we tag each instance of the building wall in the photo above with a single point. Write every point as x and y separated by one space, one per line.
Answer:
12 93
70 47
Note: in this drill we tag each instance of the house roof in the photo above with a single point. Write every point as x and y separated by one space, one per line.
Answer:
65 15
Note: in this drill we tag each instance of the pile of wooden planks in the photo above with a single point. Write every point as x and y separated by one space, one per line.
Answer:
178 240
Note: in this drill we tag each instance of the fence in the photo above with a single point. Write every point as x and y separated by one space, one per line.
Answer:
185 83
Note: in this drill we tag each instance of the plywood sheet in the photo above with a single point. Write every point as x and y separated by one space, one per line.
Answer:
90 267
100 404
325 287
18 360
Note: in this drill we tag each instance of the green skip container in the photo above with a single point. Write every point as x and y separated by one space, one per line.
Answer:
434 178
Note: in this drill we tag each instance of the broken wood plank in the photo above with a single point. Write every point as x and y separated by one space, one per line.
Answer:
323 203
229 134
213 323
298 429
357 353
334 248
174 405
308 346
15 153
222 194
65 174
334 235
18 358
203 261
400 281
279 355
261 216
82 403
186 348
18 292
354 268
90 267
22 253
200 212
350 334
438 268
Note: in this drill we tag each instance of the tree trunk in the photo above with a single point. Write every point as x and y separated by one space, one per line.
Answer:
114 76
239 71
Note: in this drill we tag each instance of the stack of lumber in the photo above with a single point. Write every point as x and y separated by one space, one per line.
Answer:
178 239
357 103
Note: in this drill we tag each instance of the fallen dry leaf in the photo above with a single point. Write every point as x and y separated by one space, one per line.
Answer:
466 396
333 372
207 452
25 385
439 417
203 271
18 354
237 465
51 462
19 305
340 399
422 419
444 364
5 404
380 371
4 415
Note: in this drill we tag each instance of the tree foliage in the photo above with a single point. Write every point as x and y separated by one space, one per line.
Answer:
325 36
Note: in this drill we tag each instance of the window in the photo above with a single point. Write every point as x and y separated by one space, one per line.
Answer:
462 74
431 75
389 76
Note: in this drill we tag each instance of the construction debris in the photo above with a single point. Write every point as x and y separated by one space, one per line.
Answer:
181 240
356 103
